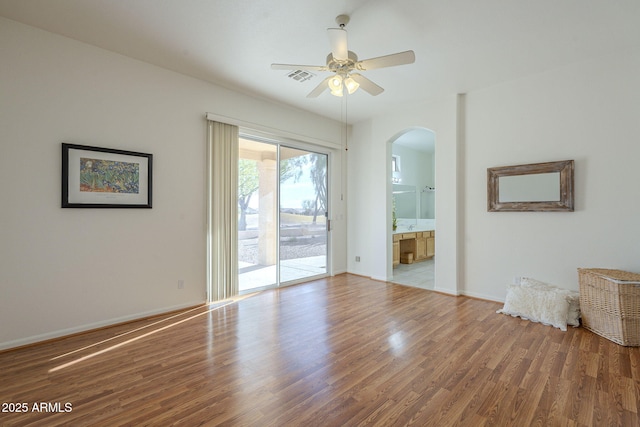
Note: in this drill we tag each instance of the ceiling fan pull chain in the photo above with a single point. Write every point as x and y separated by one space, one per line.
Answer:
346 122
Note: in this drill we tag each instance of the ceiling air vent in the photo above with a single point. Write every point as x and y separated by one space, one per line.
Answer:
301 75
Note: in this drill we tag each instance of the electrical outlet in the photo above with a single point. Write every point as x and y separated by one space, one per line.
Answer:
180 284
357 258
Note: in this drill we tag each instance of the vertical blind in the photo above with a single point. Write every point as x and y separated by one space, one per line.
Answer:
222 215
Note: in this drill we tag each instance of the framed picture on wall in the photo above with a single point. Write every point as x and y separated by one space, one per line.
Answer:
95 177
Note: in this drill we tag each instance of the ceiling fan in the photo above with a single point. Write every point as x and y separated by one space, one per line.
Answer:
344 65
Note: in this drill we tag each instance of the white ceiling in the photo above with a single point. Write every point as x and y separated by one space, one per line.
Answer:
460 45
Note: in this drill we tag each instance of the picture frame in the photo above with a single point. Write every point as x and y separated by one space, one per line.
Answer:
97 177
532 187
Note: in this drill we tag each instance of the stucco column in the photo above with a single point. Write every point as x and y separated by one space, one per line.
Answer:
267 233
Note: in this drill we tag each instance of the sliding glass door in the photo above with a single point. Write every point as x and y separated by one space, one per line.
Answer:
303 214
282 205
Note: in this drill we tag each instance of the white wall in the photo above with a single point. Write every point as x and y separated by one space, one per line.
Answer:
369 206
66 270
587 112
360 198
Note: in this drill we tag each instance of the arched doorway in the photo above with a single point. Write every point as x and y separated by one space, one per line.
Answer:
413 207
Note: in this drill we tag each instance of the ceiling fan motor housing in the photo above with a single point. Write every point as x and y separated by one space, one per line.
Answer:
342 66
342 62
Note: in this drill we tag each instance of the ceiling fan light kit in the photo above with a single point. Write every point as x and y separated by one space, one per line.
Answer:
335 85
351 84
342 62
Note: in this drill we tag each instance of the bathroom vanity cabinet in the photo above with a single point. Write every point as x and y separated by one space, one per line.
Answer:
421 244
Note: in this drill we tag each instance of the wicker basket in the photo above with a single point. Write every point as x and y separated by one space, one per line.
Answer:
610 304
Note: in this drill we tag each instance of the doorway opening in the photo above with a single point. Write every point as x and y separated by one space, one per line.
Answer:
282 214
413 208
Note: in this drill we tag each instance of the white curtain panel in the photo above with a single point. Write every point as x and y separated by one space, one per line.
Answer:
222 236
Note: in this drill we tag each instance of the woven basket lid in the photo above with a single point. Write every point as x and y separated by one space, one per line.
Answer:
617 275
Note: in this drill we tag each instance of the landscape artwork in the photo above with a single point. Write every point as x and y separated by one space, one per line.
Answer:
98 177
108 176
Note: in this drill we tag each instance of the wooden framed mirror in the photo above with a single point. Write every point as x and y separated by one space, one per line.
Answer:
536 187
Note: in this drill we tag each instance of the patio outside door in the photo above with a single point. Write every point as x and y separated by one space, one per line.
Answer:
282 203
303 214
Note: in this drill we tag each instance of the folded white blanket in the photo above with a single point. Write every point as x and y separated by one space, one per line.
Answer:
544 303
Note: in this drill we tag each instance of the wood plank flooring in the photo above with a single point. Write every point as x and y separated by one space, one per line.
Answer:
342 351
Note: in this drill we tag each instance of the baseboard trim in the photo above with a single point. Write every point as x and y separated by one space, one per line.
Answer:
447 291
90 327
481 296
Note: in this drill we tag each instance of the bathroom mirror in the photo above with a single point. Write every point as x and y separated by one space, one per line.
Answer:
534 187
404 197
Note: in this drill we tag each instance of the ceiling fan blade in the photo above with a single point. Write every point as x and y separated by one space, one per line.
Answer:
367 85
319 89
401 58
299 67
338 41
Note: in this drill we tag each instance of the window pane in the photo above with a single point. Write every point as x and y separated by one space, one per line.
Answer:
257 204
303 208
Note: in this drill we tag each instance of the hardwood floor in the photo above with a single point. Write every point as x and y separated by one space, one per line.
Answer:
339 351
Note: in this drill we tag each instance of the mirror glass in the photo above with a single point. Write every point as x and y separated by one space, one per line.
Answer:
404 197
540 187
413 176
